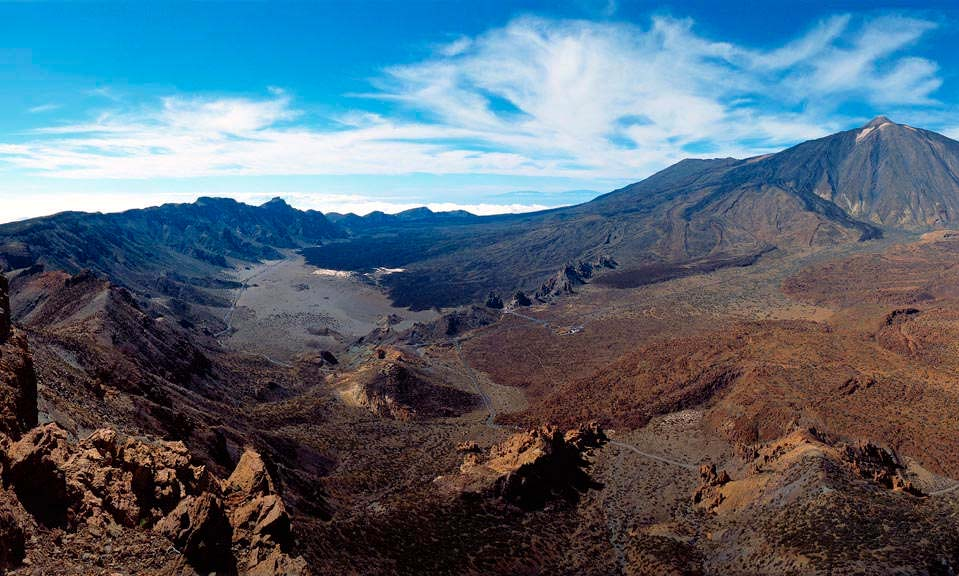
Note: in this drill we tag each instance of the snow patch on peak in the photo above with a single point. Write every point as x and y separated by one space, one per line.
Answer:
863 133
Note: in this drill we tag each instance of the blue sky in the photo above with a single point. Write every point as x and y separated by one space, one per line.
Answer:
491 106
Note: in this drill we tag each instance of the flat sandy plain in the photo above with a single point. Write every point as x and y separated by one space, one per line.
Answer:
289 307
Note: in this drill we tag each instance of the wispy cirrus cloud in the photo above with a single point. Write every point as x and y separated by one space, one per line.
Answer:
43 108
537 97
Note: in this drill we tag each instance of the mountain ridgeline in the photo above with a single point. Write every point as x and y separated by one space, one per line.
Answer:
696 215
135 247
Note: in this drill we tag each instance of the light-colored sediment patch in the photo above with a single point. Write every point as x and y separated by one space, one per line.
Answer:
332 273
290 308
863 133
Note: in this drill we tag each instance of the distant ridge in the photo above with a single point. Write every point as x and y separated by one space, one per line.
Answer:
133 248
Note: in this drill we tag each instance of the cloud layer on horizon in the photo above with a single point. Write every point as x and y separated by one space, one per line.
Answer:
537 97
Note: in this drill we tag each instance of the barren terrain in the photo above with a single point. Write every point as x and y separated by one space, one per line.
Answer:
288 308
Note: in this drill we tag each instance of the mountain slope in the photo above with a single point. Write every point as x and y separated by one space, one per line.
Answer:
888 174
695 215
133 248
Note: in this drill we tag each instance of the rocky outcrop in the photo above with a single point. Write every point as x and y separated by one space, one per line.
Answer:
564 282
397 386
494 301
900 315
532 469
12 533
18 381
329 358
259 519
571 276
520 299
708 494
451 325
880 465
109 479
198 528
468 447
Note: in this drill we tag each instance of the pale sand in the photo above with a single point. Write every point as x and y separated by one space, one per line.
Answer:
291 307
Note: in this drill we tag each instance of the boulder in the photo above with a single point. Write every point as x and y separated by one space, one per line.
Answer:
34 468
257 514
199 529
12 534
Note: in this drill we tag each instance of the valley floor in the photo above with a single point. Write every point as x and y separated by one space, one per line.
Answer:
288 308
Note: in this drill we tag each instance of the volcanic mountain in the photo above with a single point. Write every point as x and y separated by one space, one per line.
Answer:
693 216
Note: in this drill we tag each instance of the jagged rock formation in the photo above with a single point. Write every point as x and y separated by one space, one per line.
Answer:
520 299
13 536
880 465
398 386
494 301
707 494
564 282
451 324
773 467
109 481
18 382
530 469
571 276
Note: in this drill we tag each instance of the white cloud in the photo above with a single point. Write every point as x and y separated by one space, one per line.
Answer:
863 65
537 97
43 108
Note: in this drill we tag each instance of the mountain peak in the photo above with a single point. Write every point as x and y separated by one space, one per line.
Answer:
275 202
878 121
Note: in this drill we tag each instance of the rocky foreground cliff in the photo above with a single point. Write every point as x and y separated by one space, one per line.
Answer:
112 503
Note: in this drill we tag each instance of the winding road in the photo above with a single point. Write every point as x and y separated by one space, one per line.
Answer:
542 323
945 491
662 459
487 401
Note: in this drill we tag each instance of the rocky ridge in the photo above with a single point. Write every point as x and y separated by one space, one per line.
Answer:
134 493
